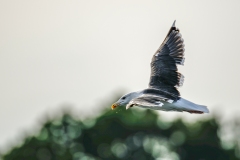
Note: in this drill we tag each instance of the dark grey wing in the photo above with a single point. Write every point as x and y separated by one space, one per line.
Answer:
164 72
160 93
147 101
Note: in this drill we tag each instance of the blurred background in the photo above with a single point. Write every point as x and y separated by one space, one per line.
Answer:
62 64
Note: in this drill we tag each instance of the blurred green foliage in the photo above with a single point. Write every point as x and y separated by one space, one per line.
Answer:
135 134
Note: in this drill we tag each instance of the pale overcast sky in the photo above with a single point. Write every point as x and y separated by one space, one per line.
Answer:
83 52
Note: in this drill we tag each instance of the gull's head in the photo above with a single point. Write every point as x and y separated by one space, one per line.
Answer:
124 100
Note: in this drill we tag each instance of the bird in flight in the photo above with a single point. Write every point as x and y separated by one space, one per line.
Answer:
162 93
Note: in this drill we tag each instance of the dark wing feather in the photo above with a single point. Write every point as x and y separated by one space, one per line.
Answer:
147 100
164 74
160 93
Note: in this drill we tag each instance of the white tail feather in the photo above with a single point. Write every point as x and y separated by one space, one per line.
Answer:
188 106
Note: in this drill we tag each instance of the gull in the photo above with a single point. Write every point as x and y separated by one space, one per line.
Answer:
162 93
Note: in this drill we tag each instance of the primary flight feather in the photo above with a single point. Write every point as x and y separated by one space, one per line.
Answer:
162 93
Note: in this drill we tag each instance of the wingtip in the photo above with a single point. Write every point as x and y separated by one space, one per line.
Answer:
173 25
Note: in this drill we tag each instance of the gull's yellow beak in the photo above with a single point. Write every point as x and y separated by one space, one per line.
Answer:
114 105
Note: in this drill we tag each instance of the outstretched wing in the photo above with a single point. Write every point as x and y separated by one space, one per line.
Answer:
147 101
164 74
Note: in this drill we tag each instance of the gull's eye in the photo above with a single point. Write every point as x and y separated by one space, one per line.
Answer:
123 97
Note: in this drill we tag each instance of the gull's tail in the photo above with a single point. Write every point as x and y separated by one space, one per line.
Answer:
190 107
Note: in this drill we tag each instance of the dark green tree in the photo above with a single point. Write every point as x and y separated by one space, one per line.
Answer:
135 134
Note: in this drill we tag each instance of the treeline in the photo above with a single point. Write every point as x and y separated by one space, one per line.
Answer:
127 135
